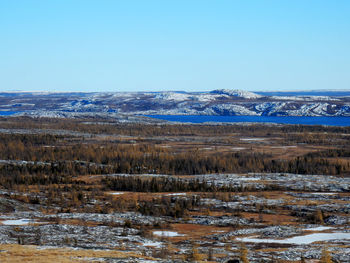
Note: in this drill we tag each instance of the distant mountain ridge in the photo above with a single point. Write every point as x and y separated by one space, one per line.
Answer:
330 93
237 93
216 102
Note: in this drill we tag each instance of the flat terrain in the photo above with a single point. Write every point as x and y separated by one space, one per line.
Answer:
95 190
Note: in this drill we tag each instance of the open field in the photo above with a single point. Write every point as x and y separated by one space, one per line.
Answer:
97 191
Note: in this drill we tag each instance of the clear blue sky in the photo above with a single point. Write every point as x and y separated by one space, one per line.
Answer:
191 45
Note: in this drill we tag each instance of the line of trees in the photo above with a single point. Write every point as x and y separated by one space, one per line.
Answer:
183 164
159 184
65 155
92 159
102 126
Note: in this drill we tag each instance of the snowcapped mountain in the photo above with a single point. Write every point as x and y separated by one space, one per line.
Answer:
216 102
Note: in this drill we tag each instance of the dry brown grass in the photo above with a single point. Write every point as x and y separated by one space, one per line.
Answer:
13 253
271 219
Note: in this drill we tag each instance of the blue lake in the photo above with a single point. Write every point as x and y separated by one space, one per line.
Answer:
7 113
331 121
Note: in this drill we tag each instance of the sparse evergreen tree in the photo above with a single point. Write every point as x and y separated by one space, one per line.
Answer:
325 256
319 217
210 254
194 255
243 254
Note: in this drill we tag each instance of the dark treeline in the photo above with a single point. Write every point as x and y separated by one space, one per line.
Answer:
167 206
33 174
149 159
133 129
29 139
227 164
159 184
170 184
66 155
331 153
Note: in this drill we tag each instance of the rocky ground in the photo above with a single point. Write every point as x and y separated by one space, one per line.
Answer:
271 224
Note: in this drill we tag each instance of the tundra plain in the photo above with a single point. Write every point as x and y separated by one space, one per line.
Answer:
96 190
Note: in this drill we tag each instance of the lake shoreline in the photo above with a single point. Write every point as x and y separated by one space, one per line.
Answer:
292 120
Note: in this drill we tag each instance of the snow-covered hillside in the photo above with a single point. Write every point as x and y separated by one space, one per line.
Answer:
237 93
216 102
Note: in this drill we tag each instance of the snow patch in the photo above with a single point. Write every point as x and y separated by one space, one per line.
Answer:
300 240
238 148
319 228
323 193
18 222
252 139
167 234
150 243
